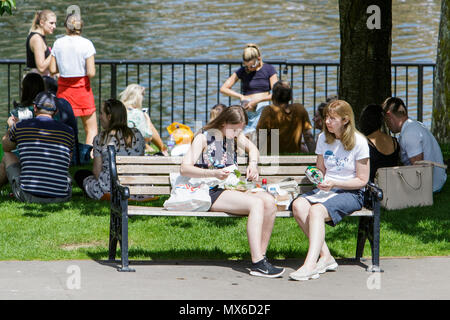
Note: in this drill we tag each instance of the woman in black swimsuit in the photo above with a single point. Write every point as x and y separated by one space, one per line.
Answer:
38 53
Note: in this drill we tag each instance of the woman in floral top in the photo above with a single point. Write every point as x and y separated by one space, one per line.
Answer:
127 141
210 153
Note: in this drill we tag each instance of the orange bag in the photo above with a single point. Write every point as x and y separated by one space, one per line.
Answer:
181 133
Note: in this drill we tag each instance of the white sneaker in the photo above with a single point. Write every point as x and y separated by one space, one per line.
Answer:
323 267
302 275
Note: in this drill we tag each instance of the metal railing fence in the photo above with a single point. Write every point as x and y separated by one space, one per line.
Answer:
185 90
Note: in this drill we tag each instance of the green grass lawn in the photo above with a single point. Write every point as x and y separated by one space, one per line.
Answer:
79 229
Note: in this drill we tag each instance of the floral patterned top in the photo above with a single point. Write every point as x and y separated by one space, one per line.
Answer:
218 154
95 188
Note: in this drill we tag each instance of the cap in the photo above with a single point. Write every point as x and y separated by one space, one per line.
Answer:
46 101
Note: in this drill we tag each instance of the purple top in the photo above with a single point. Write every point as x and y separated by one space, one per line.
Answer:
256 81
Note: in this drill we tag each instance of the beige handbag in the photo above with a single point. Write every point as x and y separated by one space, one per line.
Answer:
407 186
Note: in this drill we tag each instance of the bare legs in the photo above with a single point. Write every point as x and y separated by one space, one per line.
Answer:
90 127
261 210
311 219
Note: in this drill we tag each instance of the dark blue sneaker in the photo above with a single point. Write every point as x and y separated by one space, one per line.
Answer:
263 268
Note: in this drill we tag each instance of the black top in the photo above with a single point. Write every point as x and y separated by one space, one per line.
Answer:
31 61
380 160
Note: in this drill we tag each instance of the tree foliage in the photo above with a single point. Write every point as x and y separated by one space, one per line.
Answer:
7 6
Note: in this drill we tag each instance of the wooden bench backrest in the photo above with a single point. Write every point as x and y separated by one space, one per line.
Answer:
150 175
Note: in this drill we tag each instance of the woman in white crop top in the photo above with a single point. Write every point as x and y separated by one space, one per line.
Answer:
73 58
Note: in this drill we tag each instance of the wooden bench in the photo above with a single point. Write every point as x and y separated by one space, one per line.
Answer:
131 175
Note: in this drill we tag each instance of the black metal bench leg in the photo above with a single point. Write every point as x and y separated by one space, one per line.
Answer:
362 237
124 241
113 237
374 238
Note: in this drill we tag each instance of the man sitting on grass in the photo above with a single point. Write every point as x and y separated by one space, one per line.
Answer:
417 143
45 146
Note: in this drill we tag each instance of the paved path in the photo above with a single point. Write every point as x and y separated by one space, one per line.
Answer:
404 278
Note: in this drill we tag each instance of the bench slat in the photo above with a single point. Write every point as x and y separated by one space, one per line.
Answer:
158 211
161 169
149 160
149 190
159 190
165 180
310 160
153 169
132 180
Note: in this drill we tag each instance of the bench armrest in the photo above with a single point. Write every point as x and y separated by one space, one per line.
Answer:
375 191
372 194
123 192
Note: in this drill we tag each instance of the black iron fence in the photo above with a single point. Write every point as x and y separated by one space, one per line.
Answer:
185 90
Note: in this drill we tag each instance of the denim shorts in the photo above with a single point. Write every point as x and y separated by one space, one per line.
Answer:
253 117
339 206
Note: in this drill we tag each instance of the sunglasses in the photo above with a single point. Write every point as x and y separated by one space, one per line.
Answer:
253 66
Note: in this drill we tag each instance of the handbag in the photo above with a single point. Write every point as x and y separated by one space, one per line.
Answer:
406 186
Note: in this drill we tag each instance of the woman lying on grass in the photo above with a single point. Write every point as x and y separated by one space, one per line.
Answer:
212 150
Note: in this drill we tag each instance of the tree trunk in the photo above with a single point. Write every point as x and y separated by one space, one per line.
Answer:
365 62
441 95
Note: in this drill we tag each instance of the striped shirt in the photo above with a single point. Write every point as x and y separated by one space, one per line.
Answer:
44 147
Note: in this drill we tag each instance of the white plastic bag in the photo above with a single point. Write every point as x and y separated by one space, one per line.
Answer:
187 197
213 182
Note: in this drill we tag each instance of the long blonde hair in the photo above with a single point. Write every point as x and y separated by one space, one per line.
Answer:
40 16
345 111
132 96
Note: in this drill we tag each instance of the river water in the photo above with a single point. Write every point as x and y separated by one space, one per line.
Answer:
212 29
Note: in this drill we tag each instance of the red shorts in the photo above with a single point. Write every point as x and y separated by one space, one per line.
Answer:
78 92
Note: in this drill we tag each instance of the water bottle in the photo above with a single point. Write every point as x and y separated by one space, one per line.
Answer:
264 184
170 144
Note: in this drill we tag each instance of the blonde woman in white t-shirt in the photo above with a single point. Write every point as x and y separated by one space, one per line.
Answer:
73 58
343 158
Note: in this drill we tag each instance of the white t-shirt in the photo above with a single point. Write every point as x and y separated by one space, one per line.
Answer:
340 164
415 139
71 53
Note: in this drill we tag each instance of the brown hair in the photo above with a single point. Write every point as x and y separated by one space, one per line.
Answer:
281 93
40 16
232 115
343 110
396 106
118 123
216 110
